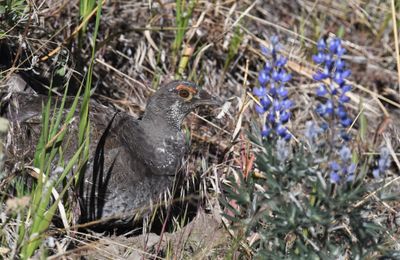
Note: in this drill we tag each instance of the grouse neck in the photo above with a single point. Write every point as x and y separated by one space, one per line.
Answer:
169 119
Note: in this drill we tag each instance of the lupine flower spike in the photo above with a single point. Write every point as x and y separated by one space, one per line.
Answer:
273 93
332 77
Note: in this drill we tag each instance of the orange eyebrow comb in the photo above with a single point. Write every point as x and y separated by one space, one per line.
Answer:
190 89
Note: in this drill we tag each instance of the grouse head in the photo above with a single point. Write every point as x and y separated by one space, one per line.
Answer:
175 100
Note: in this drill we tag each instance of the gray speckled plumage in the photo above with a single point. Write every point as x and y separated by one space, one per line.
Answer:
131 161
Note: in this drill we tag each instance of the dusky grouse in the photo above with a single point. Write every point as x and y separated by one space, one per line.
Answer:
131 161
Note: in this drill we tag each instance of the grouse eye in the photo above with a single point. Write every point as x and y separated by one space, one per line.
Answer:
184 93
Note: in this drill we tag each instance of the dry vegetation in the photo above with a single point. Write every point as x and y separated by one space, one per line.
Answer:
43 40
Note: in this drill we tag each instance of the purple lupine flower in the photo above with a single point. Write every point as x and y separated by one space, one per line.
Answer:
333 92
321 45
322 91
273 93
383 163
319 58
333 70
343 169
312 131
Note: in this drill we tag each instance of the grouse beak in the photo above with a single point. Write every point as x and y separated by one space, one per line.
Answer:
203 98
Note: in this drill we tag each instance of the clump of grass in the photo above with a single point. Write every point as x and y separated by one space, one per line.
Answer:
184 10
51 167
49 148
233 50
234 46
85 8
